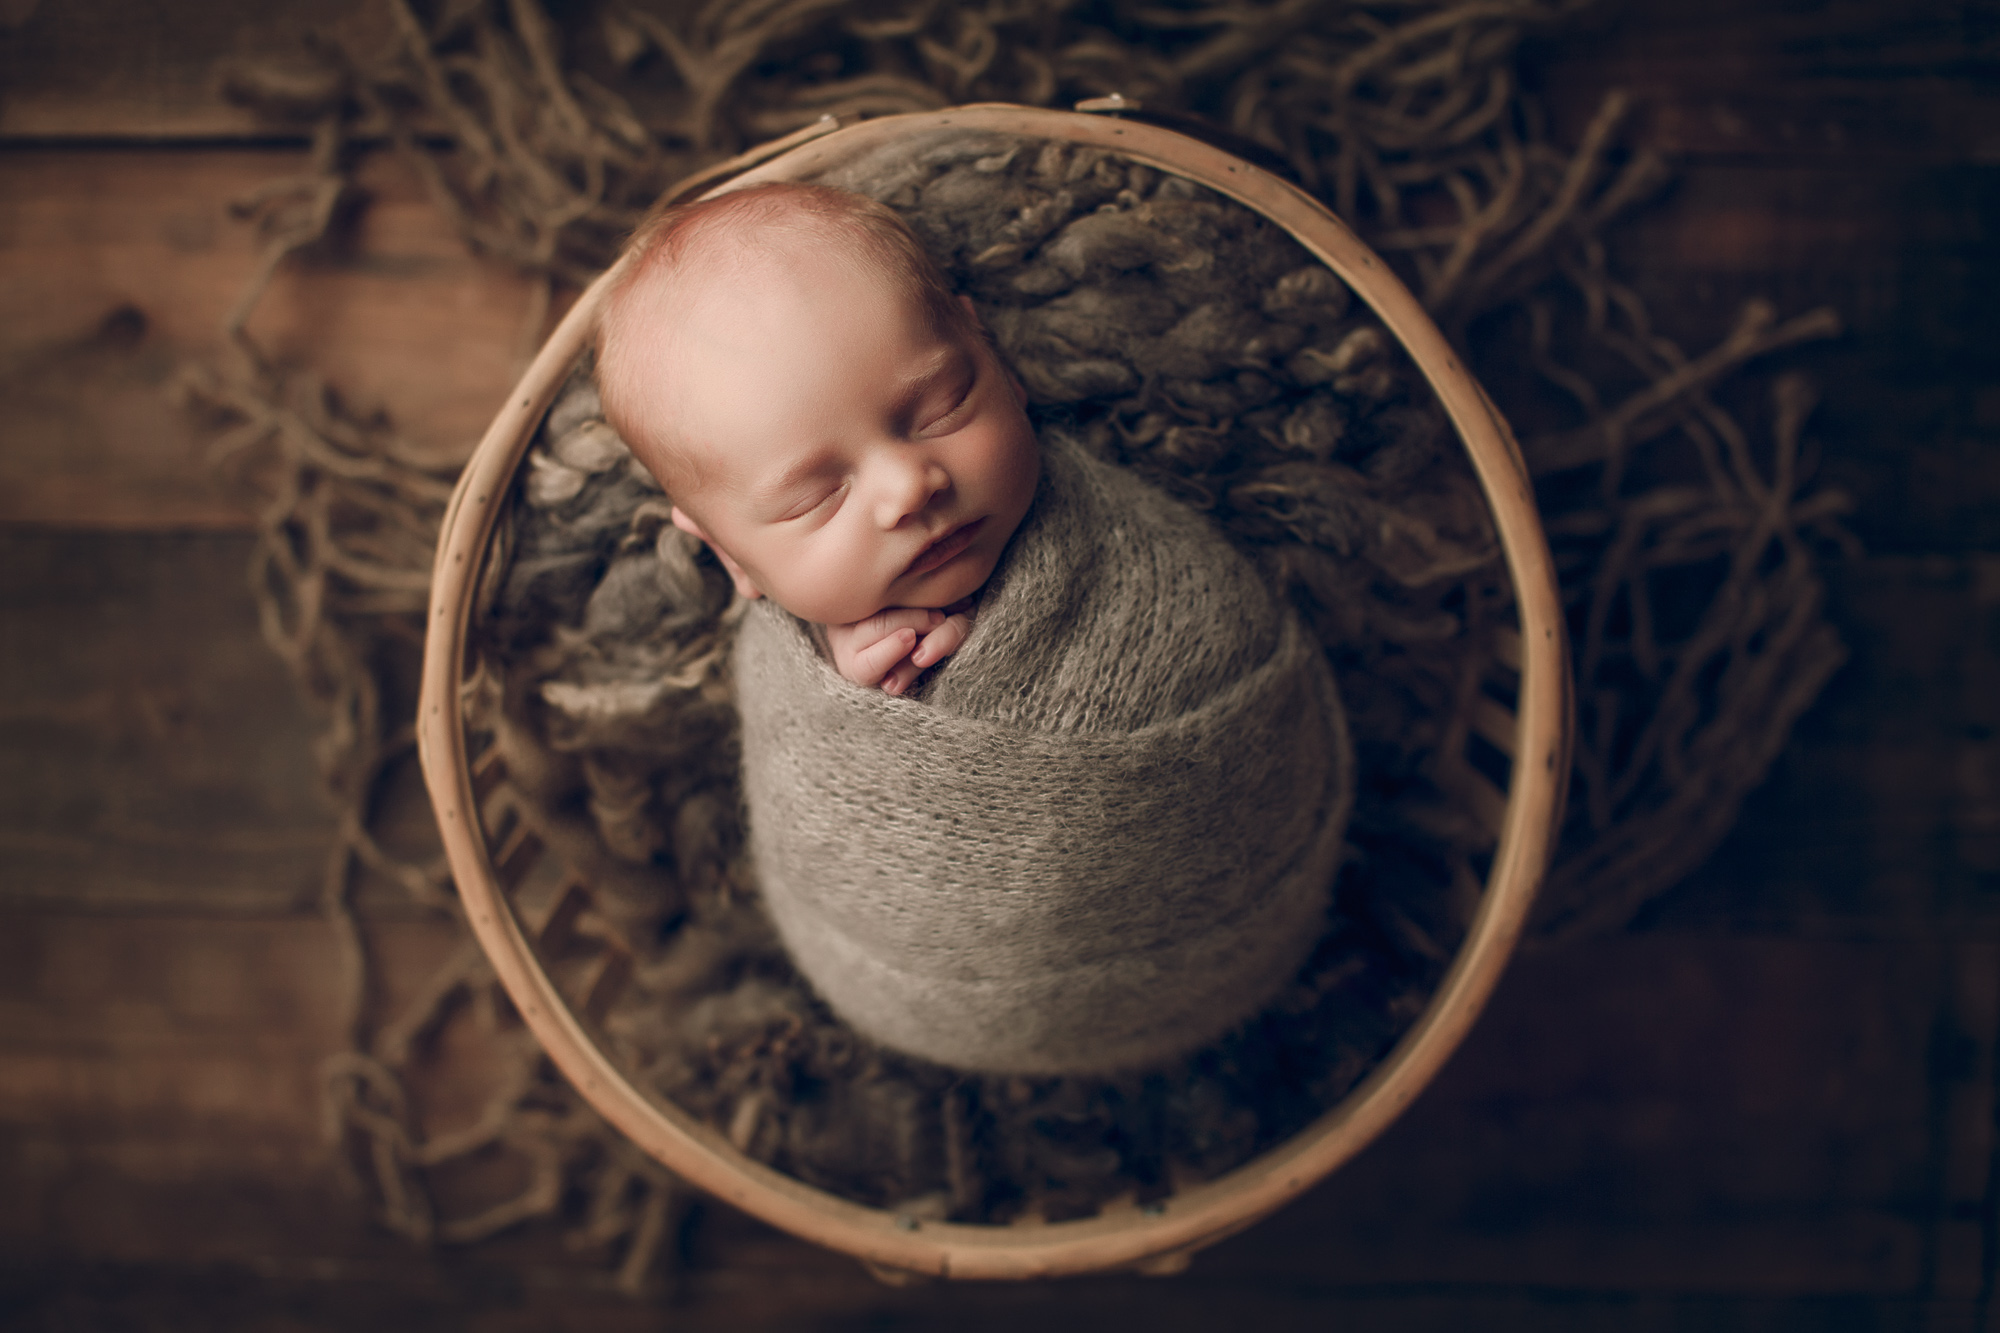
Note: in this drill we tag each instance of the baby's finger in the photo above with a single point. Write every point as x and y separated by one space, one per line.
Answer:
901 678
919 618
942 642
874 661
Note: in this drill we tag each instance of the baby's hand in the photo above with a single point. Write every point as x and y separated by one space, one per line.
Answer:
892 648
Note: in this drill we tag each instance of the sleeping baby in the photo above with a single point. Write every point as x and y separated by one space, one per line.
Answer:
1103 832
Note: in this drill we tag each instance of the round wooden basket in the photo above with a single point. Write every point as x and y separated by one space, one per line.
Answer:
489 853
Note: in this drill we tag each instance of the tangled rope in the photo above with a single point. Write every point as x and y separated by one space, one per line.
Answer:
1685 540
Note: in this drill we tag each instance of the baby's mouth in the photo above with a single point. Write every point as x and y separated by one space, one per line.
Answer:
944 548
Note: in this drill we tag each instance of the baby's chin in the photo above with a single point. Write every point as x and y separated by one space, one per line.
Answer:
958 580
837 611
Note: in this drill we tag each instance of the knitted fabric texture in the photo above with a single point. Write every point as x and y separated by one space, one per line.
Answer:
1105 832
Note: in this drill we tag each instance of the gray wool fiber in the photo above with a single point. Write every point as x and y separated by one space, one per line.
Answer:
1104 833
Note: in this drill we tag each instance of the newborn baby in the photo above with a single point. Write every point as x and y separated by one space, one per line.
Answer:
790 365
1106 831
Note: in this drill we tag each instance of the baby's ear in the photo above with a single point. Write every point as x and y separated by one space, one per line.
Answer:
744 587
685 522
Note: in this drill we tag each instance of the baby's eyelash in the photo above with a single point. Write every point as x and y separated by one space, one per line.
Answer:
820 503
958 405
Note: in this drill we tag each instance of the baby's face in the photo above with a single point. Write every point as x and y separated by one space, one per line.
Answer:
850 458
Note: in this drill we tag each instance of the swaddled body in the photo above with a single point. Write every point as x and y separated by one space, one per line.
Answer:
1103 834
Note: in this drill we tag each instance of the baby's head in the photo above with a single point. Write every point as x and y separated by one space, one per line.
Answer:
792 367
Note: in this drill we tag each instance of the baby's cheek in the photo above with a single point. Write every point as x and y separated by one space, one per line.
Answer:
844 586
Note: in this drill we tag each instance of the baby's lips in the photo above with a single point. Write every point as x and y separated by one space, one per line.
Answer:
957 539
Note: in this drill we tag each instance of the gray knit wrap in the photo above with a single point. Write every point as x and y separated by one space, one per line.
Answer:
1105 831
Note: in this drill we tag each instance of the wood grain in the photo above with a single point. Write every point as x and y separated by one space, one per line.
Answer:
1882 819
1780 81
154 69
1664 1113
156 1065
117 267
156 753
1858 83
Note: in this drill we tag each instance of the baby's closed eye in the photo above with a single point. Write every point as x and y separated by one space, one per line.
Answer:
941 406
820 498
946 419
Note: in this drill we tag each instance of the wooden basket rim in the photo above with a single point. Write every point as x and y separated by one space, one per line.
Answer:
1123 1235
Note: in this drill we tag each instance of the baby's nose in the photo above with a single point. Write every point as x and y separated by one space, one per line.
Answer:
912 482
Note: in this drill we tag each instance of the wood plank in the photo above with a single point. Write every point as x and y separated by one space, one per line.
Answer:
1883 818
1667 1113
234 1300
155 751
1964 1096
152 69
153 1056
1909 420
117 266
1659 1112
164 1065
1847 82
1712 78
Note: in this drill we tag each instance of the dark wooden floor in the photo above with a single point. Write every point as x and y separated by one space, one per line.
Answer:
1770 1105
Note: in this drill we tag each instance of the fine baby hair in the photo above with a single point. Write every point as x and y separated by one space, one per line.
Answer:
683 245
